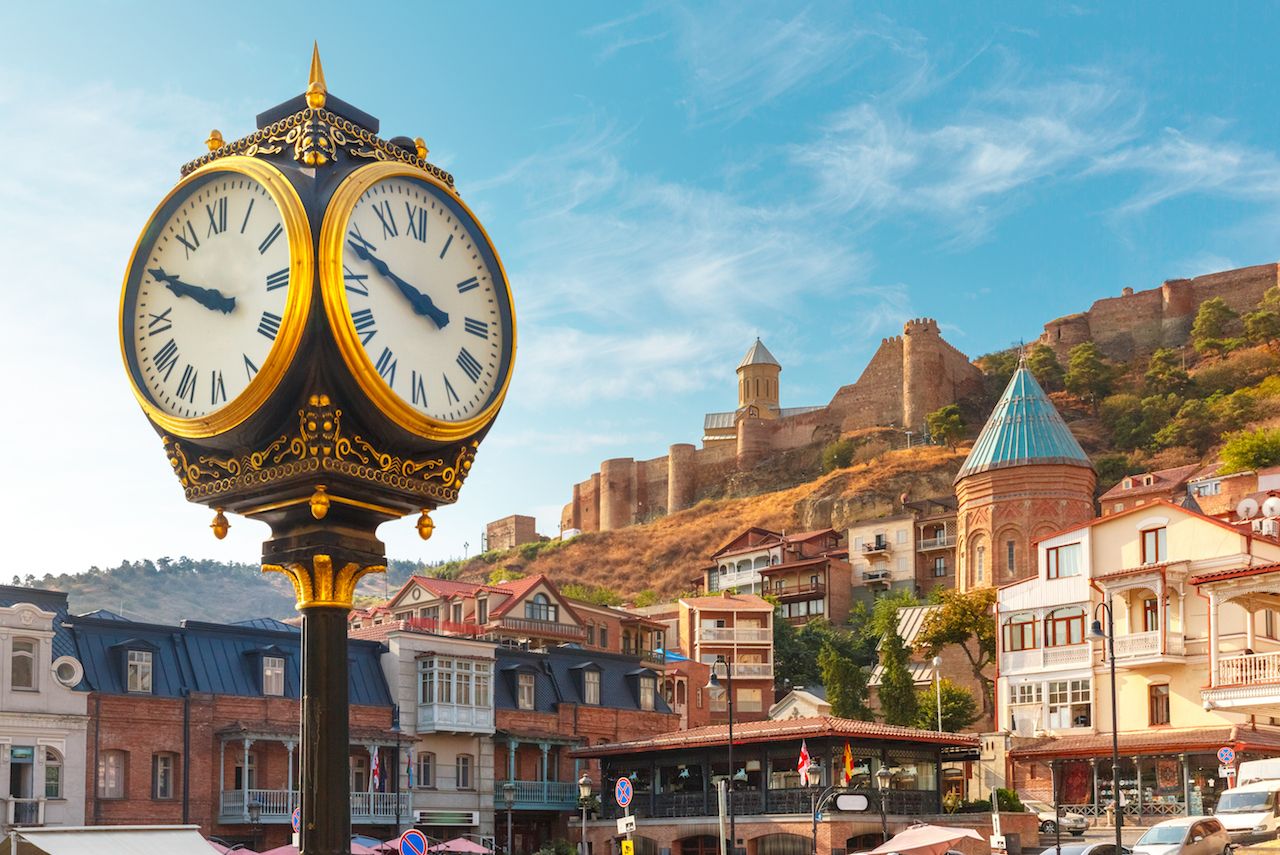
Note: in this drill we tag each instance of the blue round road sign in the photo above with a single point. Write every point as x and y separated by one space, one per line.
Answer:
622 791
413 842
296 820
1226 755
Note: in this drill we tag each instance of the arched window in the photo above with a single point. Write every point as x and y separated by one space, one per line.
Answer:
540 608
1020 632
979 563
426 770
744 566
762 561
52 774
1063 627
22 664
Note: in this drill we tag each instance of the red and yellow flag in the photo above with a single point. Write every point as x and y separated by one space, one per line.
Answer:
848 764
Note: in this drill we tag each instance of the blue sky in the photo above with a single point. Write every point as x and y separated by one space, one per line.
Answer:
663 182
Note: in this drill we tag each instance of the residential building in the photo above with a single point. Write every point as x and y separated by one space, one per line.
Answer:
801 702
1190 596
1134 490
1025 477
739 629
192 724
812 580
444 689
882 555
549 702
675 778
935 539
43 712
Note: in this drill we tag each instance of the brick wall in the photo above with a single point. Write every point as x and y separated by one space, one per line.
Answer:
510 532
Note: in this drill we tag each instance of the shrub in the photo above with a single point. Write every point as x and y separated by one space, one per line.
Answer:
1007 799
1246 450
838 454
1213 320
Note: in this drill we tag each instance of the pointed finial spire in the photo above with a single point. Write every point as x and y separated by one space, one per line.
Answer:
315 84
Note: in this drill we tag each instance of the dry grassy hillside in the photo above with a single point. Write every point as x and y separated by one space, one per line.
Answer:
666 554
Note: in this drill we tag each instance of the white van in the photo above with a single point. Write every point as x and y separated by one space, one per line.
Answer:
1250 812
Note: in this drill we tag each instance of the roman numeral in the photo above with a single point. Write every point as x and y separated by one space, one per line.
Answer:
249 368
448 389
269 239
445 248
187 384
247 212
419 389
269 325
365 327
165 358
355 282
218 392
468 284
417 222
279 279
217 216
355 235
190 245
387 218
162 318
386 366
475 327
468 364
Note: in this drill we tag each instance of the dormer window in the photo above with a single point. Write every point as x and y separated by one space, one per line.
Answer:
648 689
540 608
591 686
138 671
524 691
482 611
273 676
1148 480
1127 484
22 664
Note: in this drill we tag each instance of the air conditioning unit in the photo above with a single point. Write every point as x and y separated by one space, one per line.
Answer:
446 817
1267 527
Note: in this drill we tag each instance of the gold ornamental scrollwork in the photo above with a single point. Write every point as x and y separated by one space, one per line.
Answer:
319 443
321 584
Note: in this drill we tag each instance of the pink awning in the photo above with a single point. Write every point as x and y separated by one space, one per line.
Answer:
925 840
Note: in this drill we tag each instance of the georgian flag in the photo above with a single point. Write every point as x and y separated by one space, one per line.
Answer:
376 772
802 765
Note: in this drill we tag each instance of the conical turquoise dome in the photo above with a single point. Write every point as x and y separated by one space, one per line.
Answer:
1024 428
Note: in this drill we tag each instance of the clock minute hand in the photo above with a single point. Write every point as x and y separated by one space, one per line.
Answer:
422 304
207 297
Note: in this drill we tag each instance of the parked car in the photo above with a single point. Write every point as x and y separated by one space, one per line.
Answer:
1088 849
1186 835
1070 822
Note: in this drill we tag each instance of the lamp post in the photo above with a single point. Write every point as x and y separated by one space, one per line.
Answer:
1109 635
883 778
715 689
509 799
937 681
584 798
814 774
255 819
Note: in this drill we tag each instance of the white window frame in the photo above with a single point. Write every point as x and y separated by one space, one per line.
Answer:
140 670
33 645
591 686
273 676
648 691
426 770
464 772
525 691
111 773
163 766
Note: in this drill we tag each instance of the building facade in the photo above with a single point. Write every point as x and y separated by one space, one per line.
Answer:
739 629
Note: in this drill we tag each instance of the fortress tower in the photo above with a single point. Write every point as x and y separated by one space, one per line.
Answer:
1025 477
758 382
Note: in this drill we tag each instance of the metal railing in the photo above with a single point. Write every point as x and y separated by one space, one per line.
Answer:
543 628
730 634
875 575
875 546
752 669
644 653
1249 669
754 802
944 542
540 795
442 627
19 811
799 588
278 805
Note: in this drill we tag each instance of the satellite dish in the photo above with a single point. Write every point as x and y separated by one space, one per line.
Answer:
1271 508
1247 509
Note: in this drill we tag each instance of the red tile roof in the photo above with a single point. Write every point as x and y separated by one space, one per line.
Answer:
729 603
812 727
1234 573
1164 480
1153 741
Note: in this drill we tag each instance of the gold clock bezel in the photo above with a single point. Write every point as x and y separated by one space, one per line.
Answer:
292 325
334 294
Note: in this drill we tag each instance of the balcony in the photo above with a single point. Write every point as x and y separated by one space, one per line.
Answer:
23 812
538 795
539 628
876 577
877 547
644 654
931 543
278 805
443 627
1049 657
752 669
1247 683
804 590
454 718
730 635
1144 648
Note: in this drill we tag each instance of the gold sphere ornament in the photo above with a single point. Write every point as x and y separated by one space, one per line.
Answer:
320 503
215 141
421 148
425 525
220 525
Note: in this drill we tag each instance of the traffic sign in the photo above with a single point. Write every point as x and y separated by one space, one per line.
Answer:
1226 755
413 842
1226 771
626 824
622 791
296 820
628 847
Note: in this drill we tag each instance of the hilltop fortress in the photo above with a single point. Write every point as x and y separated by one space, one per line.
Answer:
909 376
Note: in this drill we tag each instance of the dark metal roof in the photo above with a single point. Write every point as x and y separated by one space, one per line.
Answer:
558 678
49 601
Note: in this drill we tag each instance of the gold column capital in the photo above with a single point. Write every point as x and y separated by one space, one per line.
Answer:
321 585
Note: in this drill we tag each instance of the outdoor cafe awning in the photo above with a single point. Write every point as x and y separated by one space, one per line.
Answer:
109 840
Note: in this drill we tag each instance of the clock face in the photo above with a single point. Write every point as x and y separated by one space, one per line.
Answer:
425 298
208 294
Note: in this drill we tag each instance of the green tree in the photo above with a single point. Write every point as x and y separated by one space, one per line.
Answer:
1193 426
838 454
1089 376
1261 326
593 594
647 597
946 425
897 688
959 709
1165 372
498 575
1043 363
1270 301
1246 450
846 684
964 620
883 618
1209 330
999 367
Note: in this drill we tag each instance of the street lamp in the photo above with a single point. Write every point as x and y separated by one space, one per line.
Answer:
1095 631
584 798
937 679
255 818
814 774
716 690
509 799
883 778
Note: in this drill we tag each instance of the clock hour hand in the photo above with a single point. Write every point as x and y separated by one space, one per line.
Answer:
207 297
422 304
